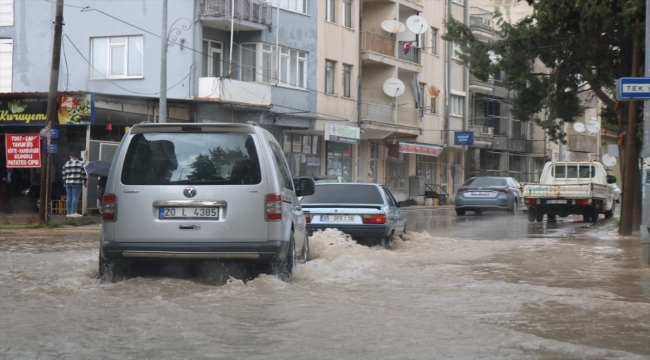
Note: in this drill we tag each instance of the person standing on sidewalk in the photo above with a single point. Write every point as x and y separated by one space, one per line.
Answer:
74 178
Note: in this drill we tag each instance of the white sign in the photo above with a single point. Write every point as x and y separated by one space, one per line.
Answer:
342 133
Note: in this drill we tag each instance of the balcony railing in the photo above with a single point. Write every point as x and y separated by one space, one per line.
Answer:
228 90
480 19
413 54
378 43
252 10
386 114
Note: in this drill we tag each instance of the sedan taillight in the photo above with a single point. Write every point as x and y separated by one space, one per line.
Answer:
307 217
109 207
461 191
273 207
505 191
374 219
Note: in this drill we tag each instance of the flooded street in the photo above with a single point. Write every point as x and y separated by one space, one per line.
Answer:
464 287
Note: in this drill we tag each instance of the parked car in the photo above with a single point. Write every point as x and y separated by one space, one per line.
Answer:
364 211
488 193
616 191
219 191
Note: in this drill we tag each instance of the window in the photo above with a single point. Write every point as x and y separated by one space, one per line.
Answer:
426 167
455 50
212 59
6 12
329 76
423 97
302 153
116 57
6 69
330 11
281 165
347 13
293 67
347 70
434 105
434 40
456 105
293 5
248 62
422 41
373 164
269 64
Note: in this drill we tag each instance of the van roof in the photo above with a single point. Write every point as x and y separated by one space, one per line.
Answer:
143 128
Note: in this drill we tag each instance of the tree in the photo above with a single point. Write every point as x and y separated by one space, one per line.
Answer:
583 47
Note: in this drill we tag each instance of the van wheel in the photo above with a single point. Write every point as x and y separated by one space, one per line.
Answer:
283 268
305 250
112 271
403 232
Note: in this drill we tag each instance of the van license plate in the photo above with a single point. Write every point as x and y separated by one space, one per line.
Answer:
336 218
188 213
556 201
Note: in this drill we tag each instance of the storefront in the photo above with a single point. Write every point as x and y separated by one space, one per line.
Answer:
303 153
397 165
341 141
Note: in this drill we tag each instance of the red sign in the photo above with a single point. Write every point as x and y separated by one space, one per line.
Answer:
431 150
23 151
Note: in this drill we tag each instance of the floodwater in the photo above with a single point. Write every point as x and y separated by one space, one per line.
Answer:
520 291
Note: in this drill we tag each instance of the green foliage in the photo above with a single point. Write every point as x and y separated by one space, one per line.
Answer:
556 54
206 168
71 221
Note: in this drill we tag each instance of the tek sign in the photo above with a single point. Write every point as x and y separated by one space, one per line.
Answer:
463 138
634 88
23 151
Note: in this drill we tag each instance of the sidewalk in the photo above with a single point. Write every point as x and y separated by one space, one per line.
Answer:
28 219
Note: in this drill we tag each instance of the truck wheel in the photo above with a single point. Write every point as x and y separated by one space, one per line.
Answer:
594 215
586 216
531 214
539 215
610 213
551 218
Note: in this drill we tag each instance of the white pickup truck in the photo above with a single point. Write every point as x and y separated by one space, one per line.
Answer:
569 187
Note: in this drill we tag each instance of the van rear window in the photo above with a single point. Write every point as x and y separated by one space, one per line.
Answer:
192 159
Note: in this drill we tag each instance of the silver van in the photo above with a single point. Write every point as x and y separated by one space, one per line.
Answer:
200 191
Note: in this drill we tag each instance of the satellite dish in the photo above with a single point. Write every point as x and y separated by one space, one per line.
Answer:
393 26
434 91
608 161
394 87
579 127
417 24
593 126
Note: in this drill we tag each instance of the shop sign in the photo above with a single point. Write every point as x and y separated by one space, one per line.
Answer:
342 133
463 138
72 109
23 150
420 149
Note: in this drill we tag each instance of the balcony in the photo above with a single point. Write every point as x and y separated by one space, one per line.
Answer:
235 91
481 23
480 86
384 113
413 54
379 49
249 14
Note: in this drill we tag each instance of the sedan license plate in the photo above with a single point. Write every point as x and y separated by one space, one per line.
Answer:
188 213
556 201
336 218
480 193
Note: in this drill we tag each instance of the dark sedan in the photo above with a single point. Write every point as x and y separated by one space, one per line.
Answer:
488 193
364 211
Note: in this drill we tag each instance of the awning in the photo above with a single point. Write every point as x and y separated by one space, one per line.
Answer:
418 148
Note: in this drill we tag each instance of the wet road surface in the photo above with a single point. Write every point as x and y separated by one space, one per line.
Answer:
469 287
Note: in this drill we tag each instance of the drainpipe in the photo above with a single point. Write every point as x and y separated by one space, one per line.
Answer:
232 25
447 80
466 89
359 77
163 68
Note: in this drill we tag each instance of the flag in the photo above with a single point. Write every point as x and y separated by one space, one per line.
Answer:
406 46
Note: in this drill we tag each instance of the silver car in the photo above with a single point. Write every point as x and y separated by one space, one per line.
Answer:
201 191
364 211
488 193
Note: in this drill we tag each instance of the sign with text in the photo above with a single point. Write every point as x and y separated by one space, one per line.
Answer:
31 109
633 88
463 138
23 151
342 133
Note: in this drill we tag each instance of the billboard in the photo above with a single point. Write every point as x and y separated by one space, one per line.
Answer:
23 150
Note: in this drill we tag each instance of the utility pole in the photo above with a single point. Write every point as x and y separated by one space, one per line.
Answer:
52 97
162 104
645 184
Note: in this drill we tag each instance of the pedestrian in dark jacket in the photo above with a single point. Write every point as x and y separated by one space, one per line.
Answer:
74 180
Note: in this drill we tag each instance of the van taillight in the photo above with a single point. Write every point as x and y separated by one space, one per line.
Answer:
109 207
374 219
273 207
